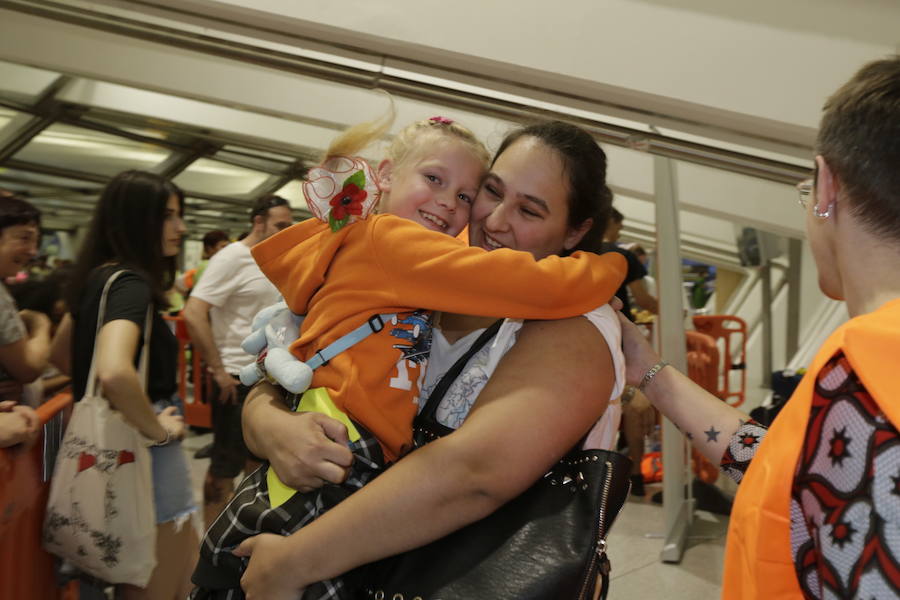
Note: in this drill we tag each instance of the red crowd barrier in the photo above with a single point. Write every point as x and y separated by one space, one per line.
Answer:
197 412
26 570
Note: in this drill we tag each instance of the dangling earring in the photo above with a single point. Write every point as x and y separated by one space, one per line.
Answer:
825 213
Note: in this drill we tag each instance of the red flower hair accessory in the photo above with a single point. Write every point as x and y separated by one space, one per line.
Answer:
441 120
341 191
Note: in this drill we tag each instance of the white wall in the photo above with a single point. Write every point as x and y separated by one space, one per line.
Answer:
761 68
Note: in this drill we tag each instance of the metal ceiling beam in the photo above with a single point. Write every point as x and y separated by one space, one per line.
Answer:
180 160
46 116
273 184
20 138
23 165
653 143
70 115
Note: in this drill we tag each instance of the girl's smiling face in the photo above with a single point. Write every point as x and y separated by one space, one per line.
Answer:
435 186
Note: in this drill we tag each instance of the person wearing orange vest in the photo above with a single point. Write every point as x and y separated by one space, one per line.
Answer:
817 514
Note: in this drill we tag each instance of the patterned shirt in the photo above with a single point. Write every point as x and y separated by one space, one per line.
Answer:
845 498
12 329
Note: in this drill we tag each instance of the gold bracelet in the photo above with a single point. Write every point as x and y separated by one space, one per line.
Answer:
651 373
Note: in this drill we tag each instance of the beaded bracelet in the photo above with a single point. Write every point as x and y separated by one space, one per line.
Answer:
651 373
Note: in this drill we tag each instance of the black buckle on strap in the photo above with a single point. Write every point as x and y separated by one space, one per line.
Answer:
375 323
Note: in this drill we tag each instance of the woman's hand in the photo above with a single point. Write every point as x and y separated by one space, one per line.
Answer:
305 449
172 422
269 574
639 354
311 449
19 424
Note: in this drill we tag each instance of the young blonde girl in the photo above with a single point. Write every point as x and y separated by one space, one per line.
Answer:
346 271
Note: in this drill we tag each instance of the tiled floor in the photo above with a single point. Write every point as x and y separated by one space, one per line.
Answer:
634 546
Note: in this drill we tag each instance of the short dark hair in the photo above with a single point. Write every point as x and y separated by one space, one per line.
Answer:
584 164
262 205
859 137
16 211
214 237
615 216
127 228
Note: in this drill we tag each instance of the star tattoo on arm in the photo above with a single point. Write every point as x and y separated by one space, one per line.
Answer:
712 435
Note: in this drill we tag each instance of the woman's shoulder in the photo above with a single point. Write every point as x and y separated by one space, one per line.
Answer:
604 318
128 283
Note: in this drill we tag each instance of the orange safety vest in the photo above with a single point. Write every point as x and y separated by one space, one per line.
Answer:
758 559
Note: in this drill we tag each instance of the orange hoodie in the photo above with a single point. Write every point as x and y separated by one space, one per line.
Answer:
758 560
386 264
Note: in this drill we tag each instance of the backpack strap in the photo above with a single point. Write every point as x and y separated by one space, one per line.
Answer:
373 325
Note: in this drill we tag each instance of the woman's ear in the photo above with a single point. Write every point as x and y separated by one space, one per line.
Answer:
573 236
385 170
826 188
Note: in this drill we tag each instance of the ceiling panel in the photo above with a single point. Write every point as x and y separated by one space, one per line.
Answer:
214 177
81 149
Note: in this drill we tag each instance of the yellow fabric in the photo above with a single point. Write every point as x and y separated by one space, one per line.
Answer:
313 400
758 561
385 264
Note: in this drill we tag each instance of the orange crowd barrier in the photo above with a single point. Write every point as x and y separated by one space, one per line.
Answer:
703 369
197 412
26 570
733 332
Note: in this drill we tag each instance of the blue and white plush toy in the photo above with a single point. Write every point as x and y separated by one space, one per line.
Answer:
274 328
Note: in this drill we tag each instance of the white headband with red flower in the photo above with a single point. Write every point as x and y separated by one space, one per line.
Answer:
341 191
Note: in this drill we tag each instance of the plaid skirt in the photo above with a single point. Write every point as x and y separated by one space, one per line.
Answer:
218 573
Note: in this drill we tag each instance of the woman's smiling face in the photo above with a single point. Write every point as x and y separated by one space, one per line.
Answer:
523 202
18 247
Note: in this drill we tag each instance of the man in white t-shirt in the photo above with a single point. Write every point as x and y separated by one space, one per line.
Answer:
218 316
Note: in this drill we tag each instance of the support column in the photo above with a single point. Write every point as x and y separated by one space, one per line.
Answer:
677 509
795 265
765 282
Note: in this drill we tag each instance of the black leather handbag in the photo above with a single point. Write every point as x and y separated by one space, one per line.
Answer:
547 544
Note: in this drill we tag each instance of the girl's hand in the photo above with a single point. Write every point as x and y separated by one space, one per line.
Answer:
269 575
639 354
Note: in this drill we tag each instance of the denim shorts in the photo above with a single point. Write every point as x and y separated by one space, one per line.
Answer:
173 493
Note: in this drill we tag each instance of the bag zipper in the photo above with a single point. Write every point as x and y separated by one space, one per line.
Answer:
600 549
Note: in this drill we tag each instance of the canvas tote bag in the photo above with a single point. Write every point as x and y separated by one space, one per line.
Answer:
100 513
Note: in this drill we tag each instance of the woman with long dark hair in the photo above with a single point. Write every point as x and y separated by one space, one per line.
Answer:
137 228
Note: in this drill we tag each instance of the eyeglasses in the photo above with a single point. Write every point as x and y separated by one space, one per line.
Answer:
806 187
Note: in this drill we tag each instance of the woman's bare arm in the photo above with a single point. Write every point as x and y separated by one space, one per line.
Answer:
541 400
61 348
706 420
116 346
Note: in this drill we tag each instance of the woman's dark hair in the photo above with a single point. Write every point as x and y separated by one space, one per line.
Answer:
16 211
584 163
42 295
127 228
